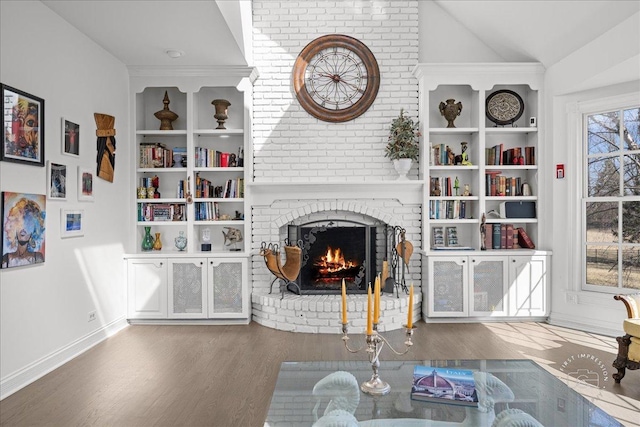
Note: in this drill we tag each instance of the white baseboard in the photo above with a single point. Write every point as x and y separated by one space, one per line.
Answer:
586 325
32 372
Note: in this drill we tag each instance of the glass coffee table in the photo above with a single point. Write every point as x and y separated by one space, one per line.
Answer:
531 393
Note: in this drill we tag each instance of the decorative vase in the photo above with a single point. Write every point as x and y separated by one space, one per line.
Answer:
165 115
147 240
402 167
157 244
450 111
221 111
181 241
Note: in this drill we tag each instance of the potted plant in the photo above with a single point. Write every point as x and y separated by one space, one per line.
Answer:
402 146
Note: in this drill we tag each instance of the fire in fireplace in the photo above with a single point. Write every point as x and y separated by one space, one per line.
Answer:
337 250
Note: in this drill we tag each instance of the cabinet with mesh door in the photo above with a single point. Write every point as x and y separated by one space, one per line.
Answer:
485 287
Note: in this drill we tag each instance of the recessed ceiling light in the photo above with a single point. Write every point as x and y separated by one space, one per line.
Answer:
174 53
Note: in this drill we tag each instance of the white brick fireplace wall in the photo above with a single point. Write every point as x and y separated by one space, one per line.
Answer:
302 165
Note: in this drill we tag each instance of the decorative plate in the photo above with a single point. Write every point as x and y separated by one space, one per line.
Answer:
504 107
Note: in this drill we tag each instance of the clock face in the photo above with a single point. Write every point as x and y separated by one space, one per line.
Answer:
336 78
504 107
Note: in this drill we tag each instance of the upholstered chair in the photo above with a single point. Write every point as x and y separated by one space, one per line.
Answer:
628 344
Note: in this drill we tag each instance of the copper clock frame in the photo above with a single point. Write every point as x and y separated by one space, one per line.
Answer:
364 55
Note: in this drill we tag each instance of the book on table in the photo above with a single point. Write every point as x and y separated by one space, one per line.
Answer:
444 385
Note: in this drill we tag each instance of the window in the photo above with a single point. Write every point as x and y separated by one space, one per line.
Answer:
611 199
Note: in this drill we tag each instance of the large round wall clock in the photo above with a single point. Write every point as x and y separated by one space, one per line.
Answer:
504 107
336 78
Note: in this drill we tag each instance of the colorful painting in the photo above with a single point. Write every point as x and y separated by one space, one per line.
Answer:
56 181
23 229
23 127
71 224
85 184
70 138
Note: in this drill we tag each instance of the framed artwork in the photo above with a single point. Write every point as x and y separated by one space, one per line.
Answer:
71 223
22 126
56 181
23 229
438 237
70 138
85 184
452 236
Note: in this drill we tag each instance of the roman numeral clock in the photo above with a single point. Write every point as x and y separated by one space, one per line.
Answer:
336 78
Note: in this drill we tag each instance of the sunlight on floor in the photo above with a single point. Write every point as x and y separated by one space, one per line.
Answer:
544 337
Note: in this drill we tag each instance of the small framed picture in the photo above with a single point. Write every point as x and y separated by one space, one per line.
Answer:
451 236
85 184
71 223
22 127
70 138
438 237
56 181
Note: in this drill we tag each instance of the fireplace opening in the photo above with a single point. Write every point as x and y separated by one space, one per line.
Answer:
337 250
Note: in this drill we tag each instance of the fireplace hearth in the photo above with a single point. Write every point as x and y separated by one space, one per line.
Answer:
336 250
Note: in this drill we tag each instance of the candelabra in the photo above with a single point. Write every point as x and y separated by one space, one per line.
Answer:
374 344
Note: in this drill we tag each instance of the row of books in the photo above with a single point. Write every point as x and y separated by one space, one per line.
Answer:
232 188
155 155
447 209
210 158
207 211
441 155
497 155
445 186
161 212
506 236
500 185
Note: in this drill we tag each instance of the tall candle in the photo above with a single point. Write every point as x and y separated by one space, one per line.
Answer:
376 301
344 303
410 311
369 313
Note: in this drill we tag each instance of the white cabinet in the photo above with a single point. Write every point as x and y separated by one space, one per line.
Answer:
147 288
528 293
228 293
489 281
196 288
187 288
486 286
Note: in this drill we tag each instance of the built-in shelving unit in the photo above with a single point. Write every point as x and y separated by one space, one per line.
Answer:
200 175
500 170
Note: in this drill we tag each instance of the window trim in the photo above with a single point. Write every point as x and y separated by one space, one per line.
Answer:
579 111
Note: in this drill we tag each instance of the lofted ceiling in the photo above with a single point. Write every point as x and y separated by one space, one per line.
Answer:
216 32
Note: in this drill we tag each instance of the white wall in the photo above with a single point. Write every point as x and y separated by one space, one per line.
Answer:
608 66
291 145
44 308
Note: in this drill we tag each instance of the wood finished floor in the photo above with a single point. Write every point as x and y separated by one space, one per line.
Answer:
223 376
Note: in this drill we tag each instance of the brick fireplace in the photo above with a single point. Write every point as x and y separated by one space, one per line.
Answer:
280 208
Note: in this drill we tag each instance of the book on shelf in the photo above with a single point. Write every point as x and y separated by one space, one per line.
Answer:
444 385
498 155
524 240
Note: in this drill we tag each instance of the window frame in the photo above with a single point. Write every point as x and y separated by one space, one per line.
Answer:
585 109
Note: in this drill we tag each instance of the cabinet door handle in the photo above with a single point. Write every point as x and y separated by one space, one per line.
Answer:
513 260
463 261
161 264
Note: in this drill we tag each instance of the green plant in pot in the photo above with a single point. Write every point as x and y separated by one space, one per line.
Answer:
402 146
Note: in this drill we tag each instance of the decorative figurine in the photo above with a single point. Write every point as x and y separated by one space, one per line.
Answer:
232 160
450 111
165 115
467 190
483 233
456 185
233 237
451 157
464 157
221 111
